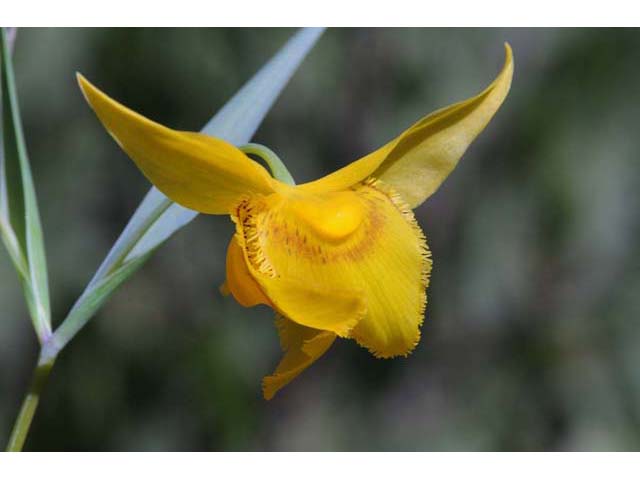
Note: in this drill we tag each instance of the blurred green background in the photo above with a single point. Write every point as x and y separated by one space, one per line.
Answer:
531 334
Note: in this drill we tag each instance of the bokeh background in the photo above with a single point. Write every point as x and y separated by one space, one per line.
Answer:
531 339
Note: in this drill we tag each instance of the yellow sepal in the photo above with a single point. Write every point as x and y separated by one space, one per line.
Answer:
416 162
197 171
302 347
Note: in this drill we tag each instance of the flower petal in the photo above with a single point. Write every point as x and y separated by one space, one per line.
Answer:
331 309
311 254
240 283
197 171
302 347
417 161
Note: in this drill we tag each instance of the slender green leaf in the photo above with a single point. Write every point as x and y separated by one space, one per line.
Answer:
11 35
157 218
6 230
21 216
5 227
13 247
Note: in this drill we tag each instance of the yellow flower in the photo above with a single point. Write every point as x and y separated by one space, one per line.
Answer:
341 256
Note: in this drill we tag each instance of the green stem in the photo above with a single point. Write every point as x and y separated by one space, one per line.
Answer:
28 409
277 167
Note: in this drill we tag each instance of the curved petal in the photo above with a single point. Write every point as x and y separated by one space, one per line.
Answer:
197 171
240 283
302 347
418 160
311 254
331 309
337 311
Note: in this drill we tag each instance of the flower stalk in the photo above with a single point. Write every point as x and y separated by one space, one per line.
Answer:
277 166
30 404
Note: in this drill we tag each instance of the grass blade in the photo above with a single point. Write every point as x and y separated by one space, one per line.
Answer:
6 231
22 230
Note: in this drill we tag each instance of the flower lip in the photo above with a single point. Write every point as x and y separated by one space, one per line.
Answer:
368 265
